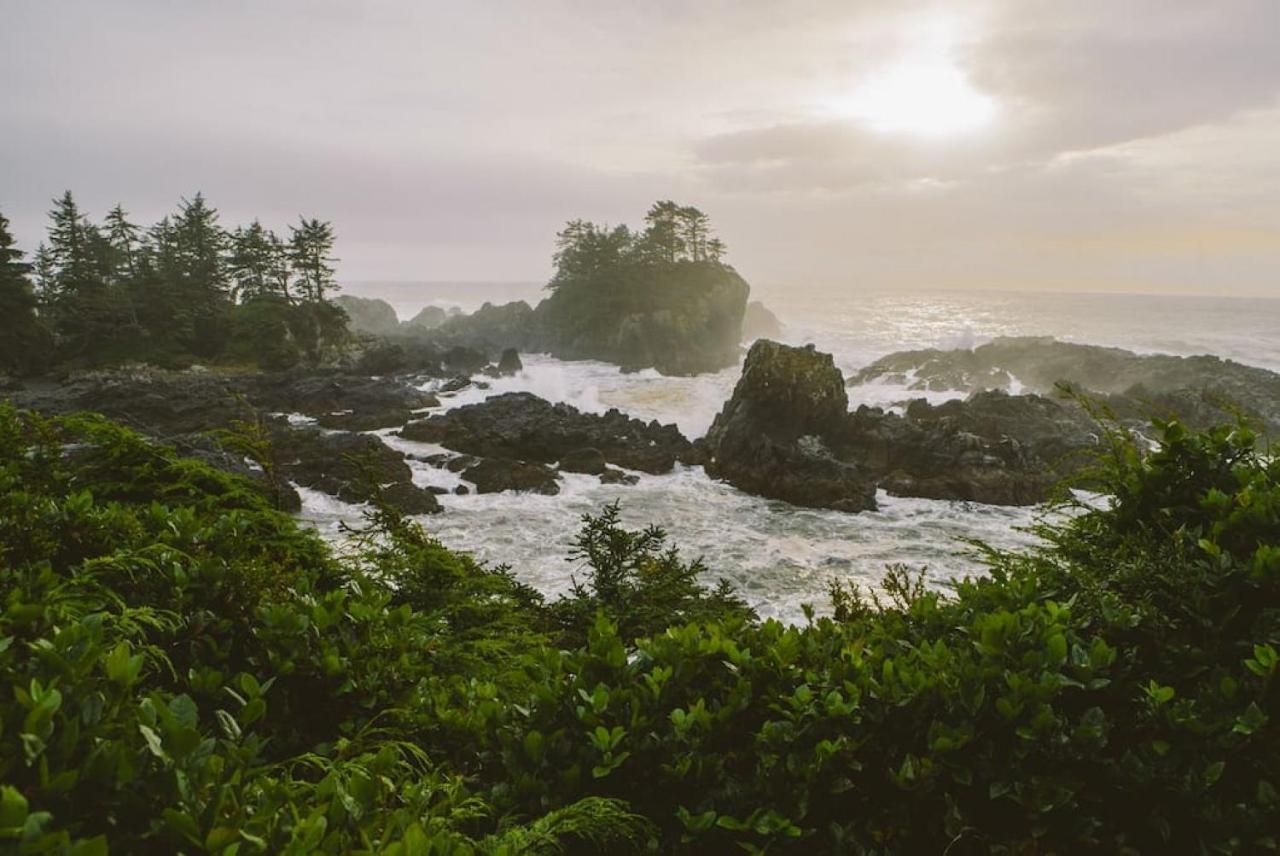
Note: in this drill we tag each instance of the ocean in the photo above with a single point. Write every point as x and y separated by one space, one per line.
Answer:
779 556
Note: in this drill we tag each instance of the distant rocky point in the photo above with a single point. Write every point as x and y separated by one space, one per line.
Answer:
1199 390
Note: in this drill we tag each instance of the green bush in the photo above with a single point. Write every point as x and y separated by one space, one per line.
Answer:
189 670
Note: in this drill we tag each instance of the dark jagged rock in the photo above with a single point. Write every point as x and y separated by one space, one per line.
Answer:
769 439
522 426
341 401
465 360
590 461
157 403
786 434
495 475
509 363
1201 390
368 315
612 475
760 323
352 467
993 448
491 328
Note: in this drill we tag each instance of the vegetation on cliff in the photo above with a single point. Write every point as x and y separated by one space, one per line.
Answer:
183 290
659 297
188 670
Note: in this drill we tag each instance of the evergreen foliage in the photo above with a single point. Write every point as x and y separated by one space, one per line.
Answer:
188 670
23 339
181 290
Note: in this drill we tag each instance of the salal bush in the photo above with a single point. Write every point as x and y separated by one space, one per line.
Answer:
190 671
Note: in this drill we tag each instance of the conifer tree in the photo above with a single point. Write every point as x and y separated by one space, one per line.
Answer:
21 334
309 255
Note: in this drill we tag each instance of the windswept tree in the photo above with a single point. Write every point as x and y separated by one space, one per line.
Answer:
124 243
22 337
255 261
310 251
663 236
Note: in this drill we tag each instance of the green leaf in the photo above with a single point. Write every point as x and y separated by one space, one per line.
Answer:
153 741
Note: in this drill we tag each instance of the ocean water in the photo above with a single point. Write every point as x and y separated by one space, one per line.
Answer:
778 556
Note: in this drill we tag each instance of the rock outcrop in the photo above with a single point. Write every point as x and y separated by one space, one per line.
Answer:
771 438
181 408
495 475
352 467
521 426
1200 390
786 433
682 319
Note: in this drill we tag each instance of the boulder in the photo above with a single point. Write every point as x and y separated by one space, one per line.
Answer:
352 467
495 475
341 401
590 461
612 475
522 426
769 439
509 363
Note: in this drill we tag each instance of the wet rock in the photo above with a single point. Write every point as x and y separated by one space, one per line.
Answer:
509 363
458 463
590 461
521 426
465 360
342 401
157 403
352 467
1200 390
612 475
769 437
495 475
462 490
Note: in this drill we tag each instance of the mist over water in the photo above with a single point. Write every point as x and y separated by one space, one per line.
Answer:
780 556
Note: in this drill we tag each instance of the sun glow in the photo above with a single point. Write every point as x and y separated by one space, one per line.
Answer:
924 93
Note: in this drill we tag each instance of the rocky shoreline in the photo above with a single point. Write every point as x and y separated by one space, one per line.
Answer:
786 432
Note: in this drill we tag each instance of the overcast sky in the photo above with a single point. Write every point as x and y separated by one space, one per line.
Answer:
1115 145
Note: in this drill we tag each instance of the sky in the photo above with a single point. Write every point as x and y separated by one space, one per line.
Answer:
1096 145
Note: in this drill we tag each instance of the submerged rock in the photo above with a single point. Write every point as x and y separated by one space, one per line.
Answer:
522 426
